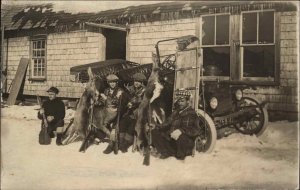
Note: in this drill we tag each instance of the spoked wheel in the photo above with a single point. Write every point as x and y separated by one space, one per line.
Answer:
256 120
207 139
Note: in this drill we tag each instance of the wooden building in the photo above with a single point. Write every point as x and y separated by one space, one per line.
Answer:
246 42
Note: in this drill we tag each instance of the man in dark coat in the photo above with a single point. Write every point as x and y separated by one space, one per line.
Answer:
127 123
54 110
176 136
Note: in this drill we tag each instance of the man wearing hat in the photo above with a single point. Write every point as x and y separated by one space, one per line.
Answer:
54 110
110 99
176 136
136 92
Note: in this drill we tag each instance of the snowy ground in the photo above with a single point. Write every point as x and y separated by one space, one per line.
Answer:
237 162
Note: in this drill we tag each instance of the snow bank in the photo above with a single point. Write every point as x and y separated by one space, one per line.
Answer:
238 161
282 133
28 112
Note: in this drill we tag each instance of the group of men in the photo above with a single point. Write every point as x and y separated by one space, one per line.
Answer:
175 137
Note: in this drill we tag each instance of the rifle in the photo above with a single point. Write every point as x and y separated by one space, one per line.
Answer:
149 140
69 125
44 137
86 142
116 145
39 100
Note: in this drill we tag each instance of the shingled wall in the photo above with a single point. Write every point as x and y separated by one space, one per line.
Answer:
143 37
283 99
64 50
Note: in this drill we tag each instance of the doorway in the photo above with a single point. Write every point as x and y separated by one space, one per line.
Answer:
115 44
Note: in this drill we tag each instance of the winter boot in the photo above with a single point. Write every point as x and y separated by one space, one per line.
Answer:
122 142
59 140
128 141
109 149
50 133
124 147
164 155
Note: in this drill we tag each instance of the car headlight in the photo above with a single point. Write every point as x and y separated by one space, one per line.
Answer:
213 103
238 94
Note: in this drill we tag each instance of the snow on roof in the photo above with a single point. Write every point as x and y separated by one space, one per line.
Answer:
43 15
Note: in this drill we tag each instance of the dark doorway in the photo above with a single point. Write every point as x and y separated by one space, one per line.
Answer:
115 44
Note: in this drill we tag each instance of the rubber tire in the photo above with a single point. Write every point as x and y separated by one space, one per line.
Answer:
265 115
211 126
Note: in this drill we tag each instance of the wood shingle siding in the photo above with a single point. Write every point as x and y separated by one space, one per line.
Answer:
143 37
64 50
283 99
146 25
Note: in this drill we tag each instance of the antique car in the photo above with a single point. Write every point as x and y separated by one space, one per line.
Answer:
219 104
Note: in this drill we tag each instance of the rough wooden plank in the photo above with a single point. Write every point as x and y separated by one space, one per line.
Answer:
187 70
235 68
277 47
19 77
128 44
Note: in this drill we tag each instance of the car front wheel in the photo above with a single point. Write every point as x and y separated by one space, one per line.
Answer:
208 136
257 119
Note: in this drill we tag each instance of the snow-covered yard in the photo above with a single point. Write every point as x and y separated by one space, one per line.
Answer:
237 162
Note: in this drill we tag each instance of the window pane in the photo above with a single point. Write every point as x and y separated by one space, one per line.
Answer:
39 65
38 53
42 53
43 44
266 27
249 28
39 44
208 30
222 31
43 71
35 72
259 61
39 71
216 61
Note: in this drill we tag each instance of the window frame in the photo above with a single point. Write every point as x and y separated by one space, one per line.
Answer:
215 32
210 78
32 40
257 29
258 80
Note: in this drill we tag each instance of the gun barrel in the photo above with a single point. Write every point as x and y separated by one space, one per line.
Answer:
43 115
116 146
146 161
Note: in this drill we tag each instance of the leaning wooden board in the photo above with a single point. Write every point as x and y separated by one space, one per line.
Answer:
187 73
16 84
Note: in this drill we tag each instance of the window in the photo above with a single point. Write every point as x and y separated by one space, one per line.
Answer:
258 45
215 44
38 59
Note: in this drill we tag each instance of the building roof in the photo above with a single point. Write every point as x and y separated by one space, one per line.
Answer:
43 16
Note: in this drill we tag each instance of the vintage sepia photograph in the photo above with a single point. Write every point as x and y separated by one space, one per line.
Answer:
175 95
